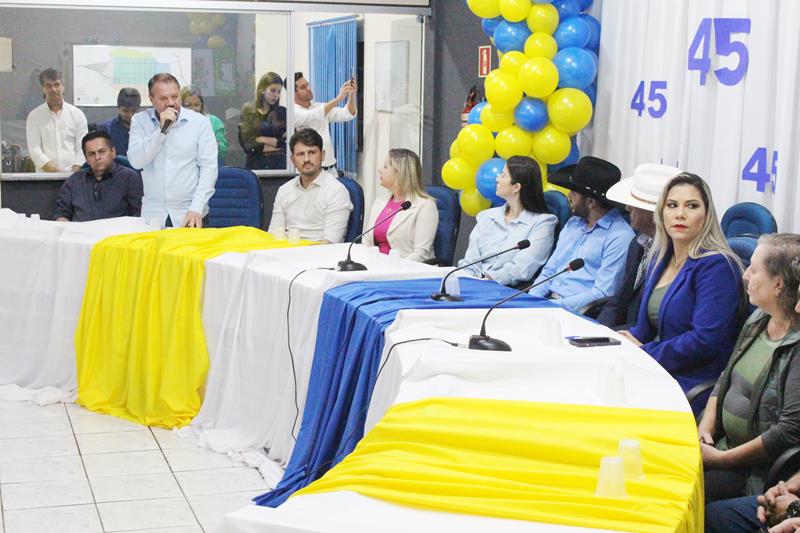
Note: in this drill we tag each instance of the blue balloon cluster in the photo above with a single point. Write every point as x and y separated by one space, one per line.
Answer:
511 35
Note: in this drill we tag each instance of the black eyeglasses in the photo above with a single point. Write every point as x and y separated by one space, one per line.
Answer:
96 191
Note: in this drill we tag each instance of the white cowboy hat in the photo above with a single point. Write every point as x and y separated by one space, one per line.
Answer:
644 187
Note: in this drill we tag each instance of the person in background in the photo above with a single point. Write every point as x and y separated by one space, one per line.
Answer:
262 126
692 299
191 98
318 116
596 232
55 128
639 194
315 203
524 216
177 152
410 232
104 190
128 102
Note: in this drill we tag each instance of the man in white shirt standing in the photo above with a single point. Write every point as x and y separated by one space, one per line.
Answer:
55 129
309 114
315 202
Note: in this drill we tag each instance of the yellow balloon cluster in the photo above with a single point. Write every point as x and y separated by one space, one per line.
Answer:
540 127
201 24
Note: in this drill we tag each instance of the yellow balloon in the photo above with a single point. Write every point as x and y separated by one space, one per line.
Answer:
513 141
218 19
538 77
472 202
570 110
457 173
216 41
512 61
514 10
541 44
503 91
454 151
543 17
487 9
496 120
475 143
550 145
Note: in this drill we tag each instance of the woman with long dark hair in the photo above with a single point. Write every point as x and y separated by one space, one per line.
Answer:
262 126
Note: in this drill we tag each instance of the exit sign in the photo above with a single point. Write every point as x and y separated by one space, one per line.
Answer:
484 61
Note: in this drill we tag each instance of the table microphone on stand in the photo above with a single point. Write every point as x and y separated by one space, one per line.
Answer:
442 294
484 342
348 265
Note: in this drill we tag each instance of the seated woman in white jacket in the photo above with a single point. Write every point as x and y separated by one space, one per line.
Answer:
410 232
524 216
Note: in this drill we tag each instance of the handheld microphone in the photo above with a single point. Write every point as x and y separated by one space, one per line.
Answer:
483 342
348 265
165 127
442 294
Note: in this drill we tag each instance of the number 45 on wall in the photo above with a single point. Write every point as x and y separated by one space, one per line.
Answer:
723 29
756 170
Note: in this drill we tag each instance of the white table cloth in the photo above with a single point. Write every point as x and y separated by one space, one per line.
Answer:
249 407
43 268
534 370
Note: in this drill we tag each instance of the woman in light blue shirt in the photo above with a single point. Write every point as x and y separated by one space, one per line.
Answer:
524 216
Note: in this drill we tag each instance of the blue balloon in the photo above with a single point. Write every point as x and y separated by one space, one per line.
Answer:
474 116
573 31
486 179
567 8
591 92
572 158
511 36
531 114
585 4
576 67
594 25
489 25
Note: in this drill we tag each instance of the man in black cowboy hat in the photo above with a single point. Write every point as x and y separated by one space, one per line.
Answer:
596 232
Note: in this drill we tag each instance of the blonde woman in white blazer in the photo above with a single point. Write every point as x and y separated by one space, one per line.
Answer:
410 232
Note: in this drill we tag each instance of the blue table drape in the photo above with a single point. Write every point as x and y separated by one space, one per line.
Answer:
347 356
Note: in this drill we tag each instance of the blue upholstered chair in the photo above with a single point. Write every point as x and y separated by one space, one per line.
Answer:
747 219
237 200
743 246
558 204
444 245
356 220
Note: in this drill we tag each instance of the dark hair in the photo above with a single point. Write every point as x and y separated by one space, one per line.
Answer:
129 97
525 171
307 136
49 74
162 77
96 134
782 251
297 77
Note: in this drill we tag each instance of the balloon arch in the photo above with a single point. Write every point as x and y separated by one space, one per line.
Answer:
539 98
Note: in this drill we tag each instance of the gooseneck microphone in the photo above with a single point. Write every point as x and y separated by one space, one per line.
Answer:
483 342
442 295
348 265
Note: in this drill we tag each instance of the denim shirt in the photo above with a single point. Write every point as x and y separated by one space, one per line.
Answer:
119 133
492 234
603 248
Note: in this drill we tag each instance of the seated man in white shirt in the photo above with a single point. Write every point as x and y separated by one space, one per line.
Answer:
315 202
310 114
54 129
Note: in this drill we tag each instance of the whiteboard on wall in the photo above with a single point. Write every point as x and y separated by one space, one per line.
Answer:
100 71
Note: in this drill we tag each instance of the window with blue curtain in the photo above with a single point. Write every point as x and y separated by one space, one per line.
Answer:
332 47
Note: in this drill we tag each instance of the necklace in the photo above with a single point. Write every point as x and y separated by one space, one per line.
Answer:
675 262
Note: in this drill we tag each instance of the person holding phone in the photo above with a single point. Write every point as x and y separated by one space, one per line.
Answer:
692 300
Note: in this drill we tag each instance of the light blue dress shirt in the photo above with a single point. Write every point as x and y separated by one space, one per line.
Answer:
492 234
604 248
179 168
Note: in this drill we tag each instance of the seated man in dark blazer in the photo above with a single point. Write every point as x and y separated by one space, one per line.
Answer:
639 194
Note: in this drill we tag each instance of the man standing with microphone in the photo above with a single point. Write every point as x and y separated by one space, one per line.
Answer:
177 152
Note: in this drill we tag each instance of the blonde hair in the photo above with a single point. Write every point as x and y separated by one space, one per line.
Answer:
709 241
407 172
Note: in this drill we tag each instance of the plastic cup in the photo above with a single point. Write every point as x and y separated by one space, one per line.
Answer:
35 218
615 388
453 285
630 452
153 223
294 235
611 478
279 234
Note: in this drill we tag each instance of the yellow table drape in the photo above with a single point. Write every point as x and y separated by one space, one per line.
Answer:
140 348
527 461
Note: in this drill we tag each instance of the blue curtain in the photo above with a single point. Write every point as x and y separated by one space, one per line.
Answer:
332 58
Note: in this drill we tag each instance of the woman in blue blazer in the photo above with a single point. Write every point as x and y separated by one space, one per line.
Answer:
692 299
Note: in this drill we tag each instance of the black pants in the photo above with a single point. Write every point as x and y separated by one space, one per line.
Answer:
724 484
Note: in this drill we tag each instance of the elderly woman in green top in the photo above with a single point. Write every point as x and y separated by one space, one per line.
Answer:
753 414
193 99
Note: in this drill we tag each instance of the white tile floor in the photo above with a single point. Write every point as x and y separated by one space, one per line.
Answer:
65 469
